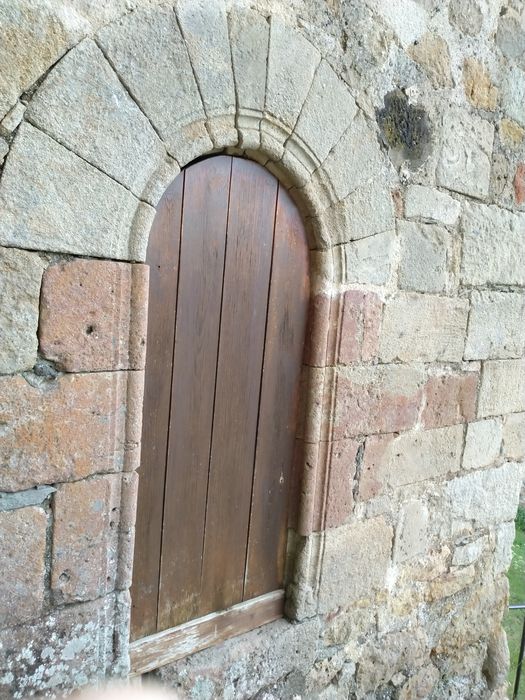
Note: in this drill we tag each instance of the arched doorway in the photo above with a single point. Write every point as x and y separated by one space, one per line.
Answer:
228 301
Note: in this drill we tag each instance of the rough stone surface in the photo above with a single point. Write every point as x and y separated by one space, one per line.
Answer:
432 54
450 398
424 328
503 552
411 534
22 551
20 278
514 437
479 89
12 119
496 329
147 50
431 205
513 95
425 256
502 387
464 164
466 15
94 216
359 326
93 315
68 428
483 444
83 105
21 499
370 260
368 210
493 246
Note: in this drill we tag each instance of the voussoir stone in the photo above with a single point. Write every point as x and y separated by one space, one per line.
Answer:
93 315
20 278
150 56
53 200
84 106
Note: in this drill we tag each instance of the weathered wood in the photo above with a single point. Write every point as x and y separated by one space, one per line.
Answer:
203 241
173 644
287 315
163 259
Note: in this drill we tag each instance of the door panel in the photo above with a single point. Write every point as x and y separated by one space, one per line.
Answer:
228 302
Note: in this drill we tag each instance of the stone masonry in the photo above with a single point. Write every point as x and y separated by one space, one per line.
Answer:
399 129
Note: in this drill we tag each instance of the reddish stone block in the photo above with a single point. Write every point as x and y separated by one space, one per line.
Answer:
93 315
359 327
22 562
66 429
337 495
450 399
519 184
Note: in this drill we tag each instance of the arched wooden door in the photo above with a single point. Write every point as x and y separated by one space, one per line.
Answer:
228 300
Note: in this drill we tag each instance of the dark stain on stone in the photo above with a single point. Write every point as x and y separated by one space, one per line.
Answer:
405 129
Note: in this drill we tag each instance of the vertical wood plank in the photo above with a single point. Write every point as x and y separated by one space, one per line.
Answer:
162 257
287 315
203 242
245 297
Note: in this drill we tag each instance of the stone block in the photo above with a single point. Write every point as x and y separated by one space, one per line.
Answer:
149 54
22 558
466 15
431 52
68 428
496 328
374 399
361 546
205 30
465 160
20 278
369 260
391 461
479 88
292 62
450 398
53 200
469 553
328 111
482 444
94 315
513 94
359 321
412 532
514 437
22 499
425 257
431 205
493 246
84 525
423 328
483 498
502 388
367 211
503 551
83 105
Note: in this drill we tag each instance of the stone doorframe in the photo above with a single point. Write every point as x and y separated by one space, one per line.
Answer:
104 134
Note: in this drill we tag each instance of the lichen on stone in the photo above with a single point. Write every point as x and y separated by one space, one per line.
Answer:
405 129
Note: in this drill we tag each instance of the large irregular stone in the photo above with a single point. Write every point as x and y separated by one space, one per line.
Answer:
327 112
68 428
425 255
20 277
83 105
391 461
93 315
466 15
482 444
361 546
423 328
369 260
493 246
496 328
502 387
151 57
53 200
205 30
433 55
431 205
22 558
479 88
465 159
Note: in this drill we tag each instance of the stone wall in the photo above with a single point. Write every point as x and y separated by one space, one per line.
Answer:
399 129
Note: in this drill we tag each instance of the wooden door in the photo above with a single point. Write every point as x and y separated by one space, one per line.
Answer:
228 300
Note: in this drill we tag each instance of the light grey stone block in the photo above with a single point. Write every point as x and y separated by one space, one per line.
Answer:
12 119
150 56
424 257
29 497
424 328
513 94
502 387
369 260
412 532
292 63
431 205
496 328
4 149
53 200
493 246
367 211
465 160
327 112
20 279
505 534
482 444
514 437
83 105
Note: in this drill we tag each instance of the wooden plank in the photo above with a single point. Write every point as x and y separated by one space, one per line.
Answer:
203 241
245 297
173 644
162 257
287 315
